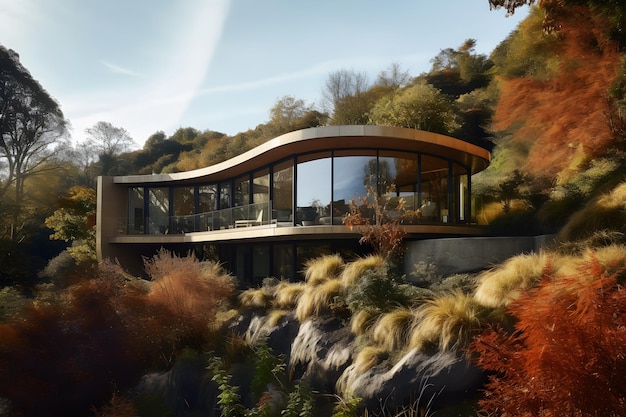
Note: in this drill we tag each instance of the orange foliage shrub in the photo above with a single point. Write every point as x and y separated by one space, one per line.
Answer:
565 116
567 356
101 335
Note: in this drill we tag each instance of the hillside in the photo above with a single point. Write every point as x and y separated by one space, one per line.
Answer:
558 112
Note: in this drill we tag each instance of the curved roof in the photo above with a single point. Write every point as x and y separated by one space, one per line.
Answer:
314 139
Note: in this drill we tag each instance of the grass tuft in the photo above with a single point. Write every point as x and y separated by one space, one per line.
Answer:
320 269
449 321
369 357
504 283
391 330
607 213
317 299
256 298
287 294
362 321
357 268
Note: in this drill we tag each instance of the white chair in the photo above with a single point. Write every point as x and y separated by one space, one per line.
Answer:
250 222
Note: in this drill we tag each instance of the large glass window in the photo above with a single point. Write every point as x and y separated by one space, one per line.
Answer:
461 208
261 186
225 195
398 178
242 191
355 177
314 189
136 218
207 198
158 210
183 208
282 200
434 187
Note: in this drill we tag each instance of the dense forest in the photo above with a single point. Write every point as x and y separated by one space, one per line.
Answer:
549 101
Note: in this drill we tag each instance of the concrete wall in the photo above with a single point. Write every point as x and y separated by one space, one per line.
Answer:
470 254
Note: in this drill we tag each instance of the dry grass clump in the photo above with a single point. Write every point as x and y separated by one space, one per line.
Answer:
362 321
504 283
606 213
369 357
448 321
188 288
287 294
357 268
320 269
256 298
611 258
391 330
275 316
317 299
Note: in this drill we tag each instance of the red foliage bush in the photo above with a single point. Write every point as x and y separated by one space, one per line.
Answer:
567 356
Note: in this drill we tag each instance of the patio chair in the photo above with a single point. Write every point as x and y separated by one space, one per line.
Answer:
250 222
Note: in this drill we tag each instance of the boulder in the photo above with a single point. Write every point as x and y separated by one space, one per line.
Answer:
320 353
434 380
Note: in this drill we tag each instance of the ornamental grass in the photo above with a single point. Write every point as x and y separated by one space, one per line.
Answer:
391 330
357 268
446 322
317 299
504 283
320 269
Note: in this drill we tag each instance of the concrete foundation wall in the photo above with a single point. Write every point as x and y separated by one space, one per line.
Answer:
463 255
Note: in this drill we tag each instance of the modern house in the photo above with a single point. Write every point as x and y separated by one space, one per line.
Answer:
266 211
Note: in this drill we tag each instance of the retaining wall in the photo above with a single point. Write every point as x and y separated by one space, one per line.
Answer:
469 254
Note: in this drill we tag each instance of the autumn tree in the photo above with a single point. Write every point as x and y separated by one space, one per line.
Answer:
31 124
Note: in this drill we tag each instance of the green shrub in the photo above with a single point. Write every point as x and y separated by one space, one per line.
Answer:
377 291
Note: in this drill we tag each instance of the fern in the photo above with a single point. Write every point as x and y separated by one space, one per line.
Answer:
228 398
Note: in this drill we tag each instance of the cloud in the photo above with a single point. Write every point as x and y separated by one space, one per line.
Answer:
120 70
158 98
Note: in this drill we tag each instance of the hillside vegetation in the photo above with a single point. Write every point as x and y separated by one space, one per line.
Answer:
540 334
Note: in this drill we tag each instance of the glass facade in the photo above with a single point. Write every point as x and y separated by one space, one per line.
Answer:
307 190
136 209
158 210
314 189
282 197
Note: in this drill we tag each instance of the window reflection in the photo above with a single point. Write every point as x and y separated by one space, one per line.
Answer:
158 210
314 190
261 186
135 210
283 192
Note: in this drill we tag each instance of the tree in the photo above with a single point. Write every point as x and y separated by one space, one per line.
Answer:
417 107
31 122
107 142
74 221
614 11
459 71
345 96
394 77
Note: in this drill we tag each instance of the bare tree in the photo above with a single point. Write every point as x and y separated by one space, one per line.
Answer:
107 142
342 85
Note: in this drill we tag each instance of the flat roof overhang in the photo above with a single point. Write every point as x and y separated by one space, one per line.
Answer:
271 233
314 139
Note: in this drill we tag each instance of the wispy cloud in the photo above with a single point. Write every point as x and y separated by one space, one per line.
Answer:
120 70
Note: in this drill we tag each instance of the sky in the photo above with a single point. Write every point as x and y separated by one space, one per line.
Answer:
158 65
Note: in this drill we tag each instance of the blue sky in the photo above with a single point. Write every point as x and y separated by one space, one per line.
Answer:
150 65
